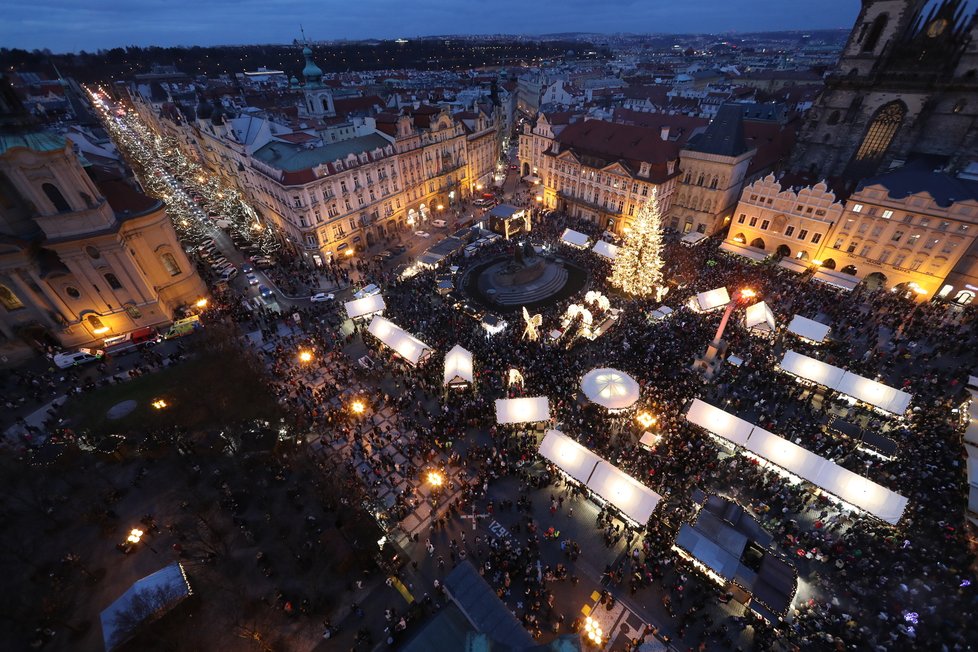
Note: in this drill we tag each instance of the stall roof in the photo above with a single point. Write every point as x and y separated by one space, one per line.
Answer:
365 306
793 265
759 317
789 456
483 608
693 238
869 391
859 491
575 238
836 279
711 300
631 497
605 249
971 432
753 253
811 369
660 313
522 410
808 329
404 344
458 366
720 423
610 388
575 460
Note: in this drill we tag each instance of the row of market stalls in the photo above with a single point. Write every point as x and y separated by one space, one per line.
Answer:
793 460
836 279
883 397
602 478
579 240
969 414
757 317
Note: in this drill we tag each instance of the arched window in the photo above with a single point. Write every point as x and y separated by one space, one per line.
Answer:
881 132
875 31
325 105
964 297
9 300
60 204
170 263
113 281
96 324
713 183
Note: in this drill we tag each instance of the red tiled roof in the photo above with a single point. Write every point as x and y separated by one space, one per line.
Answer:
611 141
124 198
350 104
681 127
297 137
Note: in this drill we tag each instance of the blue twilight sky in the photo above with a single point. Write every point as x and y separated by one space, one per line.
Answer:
71 25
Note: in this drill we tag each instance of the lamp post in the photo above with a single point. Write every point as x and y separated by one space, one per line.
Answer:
710 362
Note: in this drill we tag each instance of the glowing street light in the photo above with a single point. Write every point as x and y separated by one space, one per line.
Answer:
134 536
201 303
645 419
435 478
358 407
592 631
305 356
160 404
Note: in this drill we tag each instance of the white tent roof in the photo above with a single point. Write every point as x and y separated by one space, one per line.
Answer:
458 366
836 279
808 329
575 238
869 391
661 312
753 253
788 455
971 432
365 306
605 249
610 388
720 423
631 497
693 237
406 345
522 410
570 457
861 492
649 439
711 300
163 589
811 369
760 317
793 265
972 465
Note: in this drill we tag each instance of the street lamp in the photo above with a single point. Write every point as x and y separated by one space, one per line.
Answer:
709 364
435 479
201 303
305 356
357 407
592 631
160 404
645 419
134 536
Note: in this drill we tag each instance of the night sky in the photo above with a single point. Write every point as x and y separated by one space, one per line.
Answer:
71 25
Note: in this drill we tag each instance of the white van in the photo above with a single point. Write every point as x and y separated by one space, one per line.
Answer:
75 358
368 291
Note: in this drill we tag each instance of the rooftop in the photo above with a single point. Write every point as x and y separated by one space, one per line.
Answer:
292 158
914 179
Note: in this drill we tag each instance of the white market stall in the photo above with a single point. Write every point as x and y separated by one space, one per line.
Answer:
610 388
693 238
404 344
875 393
660 313
712 300
836 279
759 317
628 495
751 253
811 369
374 304
971 429
789 456
808 329
605 249
522 410
860 492
719 422
569 456
575 239
458 367
797 266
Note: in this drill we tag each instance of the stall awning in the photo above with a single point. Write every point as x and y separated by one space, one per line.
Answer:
522 410
660 313
712 300
865 494
875 393
458 366
720 423
789 456
404 344
836 279
605 249
693 238
752 253
808 329
575 238
971 431
811 369
793 265
570 457
365 306
760 317
631 497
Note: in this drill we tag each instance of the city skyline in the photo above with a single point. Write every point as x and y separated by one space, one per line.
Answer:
62 26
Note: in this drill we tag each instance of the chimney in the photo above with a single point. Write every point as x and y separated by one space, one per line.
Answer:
664 133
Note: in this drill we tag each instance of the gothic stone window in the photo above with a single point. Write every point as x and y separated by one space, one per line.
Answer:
881 132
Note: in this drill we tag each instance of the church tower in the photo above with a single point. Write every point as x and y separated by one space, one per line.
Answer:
317 96
905 87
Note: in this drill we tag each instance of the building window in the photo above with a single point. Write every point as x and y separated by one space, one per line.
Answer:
753 221
788 231
864 252
56 198
765 224
851 248
9 300
311 239
838 243
925 221
72 292
170 263
916 264
899 260
943 226
742 218
877 230
885 256
858 208
848 224
897 236
881 132
912 240
949 247
133 311
816 238
113 281
930 243
887 214
803 234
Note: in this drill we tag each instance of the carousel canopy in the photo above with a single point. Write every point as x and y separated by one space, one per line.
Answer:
808 329
605 249
570 457
404 344
522 410
365 306
631 497
610 388
706 301
575 239
719 422
759 317
458 366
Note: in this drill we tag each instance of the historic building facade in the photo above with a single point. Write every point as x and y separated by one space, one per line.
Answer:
79 260
906 86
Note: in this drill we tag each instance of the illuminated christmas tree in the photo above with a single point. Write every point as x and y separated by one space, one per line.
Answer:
637 268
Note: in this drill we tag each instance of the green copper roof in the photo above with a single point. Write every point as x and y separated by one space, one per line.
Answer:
38 141
292 158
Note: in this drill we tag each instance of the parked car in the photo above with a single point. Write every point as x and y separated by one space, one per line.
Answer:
383 257
252 279
228 274
439 224
75 358
131 341
320 297
265 291
422 234
367 291
183 327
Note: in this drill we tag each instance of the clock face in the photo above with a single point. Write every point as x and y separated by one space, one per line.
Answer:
936 27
